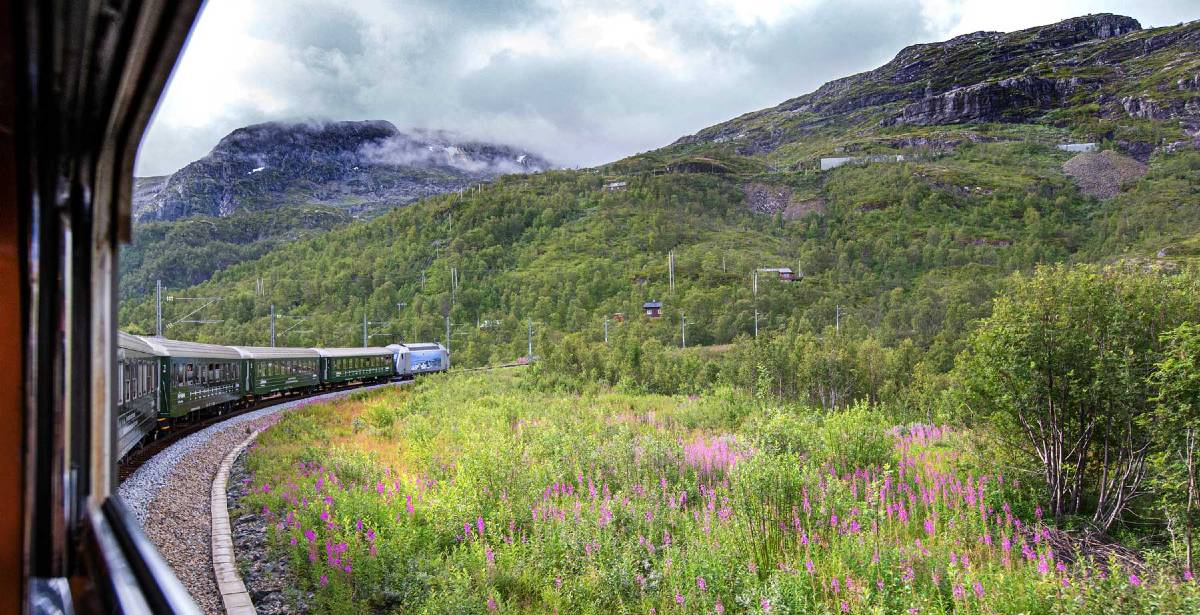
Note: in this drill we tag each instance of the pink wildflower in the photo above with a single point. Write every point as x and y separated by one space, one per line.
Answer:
766 605
1134 580
324 580
701 584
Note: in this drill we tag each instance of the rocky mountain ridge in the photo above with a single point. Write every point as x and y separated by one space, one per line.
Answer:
1104 65
360 167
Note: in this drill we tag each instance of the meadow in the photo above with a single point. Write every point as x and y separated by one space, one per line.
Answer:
488 493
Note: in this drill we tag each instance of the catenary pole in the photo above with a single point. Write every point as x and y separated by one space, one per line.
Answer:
158 308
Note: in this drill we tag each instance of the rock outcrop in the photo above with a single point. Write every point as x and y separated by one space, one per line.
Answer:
1011 99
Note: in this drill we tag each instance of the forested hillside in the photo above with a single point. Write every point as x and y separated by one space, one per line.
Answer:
908 253
276 182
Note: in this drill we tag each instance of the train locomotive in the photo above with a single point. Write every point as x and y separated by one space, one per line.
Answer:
162 381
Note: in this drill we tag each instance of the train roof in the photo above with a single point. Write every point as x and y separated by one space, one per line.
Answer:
426 346
164 347
133 342
373 351
397 347
274 352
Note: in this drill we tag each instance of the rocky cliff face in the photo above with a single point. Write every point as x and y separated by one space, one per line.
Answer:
1106 64
1011 99
361 167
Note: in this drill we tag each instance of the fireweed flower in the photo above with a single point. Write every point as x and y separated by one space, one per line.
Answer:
1134 580
766 605
324 580
679 598
978 587
701 584
959 592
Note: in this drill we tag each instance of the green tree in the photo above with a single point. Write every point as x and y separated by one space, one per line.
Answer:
1061 371
1175 421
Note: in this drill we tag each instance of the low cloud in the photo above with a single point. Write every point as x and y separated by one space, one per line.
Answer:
443 150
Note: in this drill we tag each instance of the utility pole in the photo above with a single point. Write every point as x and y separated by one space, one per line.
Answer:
158 308
837 319
447 334
754 277
671 269
530 355
399 315
364 327
606 329
683 329
272 325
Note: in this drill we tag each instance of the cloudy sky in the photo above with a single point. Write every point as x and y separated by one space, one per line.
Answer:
579 81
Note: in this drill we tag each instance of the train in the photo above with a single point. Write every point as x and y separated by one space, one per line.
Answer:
162 382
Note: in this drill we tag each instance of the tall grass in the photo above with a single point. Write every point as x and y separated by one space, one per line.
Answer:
478 494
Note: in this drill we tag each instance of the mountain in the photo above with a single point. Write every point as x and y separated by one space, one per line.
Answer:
361 167
901 227
1099 76
275 183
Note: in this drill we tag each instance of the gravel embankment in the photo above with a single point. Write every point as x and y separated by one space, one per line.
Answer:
170 495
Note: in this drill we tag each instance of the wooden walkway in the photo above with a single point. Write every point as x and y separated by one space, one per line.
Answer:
229 581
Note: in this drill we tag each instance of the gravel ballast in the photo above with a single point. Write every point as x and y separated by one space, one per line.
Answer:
170 495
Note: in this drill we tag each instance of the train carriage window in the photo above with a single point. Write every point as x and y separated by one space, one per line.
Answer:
190 374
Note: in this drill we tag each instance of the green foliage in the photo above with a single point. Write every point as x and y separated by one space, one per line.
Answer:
186 252
1060 370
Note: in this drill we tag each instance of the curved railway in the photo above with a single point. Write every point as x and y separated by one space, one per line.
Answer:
168 389
150 447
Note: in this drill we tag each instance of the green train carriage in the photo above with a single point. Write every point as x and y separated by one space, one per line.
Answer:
271 370
195 376
137 391
339 365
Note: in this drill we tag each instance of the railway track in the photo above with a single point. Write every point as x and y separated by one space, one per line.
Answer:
148 450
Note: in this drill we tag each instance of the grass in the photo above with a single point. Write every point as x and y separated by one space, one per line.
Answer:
470 494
